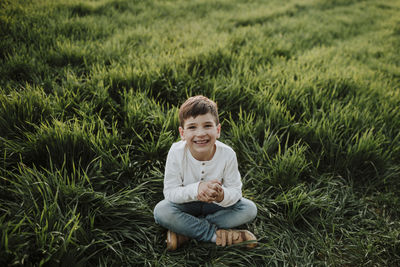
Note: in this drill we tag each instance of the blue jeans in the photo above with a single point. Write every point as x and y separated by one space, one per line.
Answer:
200 220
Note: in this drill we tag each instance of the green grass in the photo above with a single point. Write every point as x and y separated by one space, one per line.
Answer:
308 93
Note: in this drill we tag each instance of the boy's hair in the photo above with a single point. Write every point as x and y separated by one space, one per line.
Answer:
197 105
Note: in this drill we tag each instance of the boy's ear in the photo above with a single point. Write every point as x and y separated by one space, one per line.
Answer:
181 132
218 130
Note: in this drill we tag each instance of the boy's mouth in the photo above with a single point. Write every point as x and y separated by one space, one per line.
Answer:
201 142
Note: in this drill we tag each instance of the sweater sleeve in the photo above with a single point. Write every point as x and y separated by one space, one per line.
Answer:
174 190
232 183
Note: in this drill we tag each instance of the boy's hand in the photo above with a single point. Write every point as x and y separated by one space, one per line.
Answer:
210 191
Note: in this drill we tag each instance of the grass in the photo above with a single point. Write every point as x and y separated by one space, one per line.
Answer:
308 98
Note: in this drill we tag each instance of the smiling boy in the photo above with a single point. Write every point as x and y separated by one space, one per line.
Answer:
202 184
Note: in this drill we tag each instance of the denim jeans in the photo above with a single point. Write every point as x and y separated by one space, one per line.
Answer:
200 220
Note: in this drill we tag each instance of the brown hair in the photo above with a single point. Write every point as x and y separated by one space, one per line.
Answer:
197 105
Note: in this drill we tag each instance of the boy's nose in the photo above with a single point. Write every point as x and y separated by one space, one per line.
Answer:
200 132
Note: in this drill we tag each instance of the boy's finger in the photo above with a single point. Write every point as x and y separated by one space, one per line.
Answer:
211 186
211 193
214 185
210 199
215 181
203 197
217 187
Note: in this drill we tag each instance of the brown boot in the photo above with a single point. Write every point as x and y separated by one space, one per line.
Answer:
229 237
175 240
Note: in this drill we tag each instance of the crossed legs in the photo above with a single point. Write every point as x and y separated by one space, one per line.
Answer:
201 220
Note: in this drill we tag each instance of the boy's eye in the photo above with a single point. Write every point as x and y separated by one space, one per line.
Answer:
208 126
192 127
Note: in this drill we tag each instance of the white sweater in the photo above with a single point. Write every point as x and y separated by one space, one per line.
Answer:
183 173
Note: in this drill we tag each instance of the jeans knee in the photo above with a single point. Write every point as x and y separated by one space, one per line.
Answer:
165 214
250 208
161 212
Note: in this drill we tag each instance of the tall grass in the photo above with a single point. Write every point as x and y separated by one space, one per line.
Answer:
308 98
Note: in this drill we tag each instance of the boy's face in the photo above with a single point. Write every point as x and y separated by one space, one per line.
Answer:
200 134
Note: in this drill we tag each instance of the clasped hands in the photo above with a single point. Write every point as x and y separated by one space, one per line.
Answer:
210 191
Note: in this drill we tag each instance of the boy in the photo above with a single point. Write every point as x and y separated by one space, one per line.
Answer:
202 184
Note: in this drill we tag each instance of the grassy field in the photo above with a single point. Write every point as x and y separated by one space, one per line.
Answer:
308 93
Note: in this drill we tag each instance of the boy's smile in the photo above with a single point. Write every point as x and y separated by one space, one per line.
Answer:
200 134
